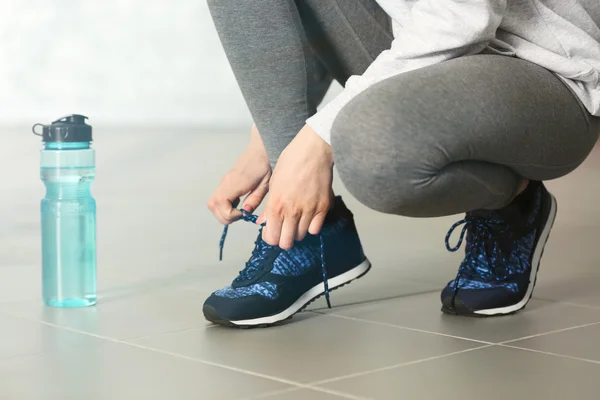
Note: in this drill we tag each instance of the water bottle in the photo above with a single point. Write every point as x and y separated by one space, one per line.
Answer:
68 213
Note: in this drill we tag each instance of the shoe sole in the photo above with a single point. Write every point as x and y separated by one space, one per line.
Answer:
299 305
460 309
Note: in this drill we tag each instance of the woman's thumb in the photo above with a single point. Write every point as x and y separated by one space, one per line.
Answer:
255 197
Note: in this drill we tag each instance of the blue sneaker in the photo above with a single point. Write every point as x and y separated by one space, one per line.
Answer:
502 255
276 284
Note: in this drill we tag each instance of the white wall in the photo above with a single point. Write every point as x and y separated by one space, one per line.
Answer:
116 61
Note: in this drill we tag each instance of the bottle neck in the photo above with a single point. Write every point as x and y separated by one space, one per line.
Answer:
67 145
68 190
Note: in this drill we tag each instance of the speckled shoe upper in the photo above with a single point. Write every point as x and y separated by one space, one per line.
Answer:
274 279
500 254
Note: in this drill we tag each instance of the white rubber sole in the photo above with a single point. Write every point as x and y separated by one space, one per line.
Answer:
307 297
535 263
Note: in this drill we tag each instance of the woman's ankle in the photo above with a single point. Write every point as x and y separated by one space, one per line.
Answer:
524 184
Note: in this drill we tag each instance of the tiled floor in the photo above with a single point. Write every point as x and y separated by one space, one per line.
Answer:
385 338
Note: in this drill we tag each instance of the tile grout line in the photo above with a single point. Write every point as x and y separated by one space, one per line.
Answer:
9 358
568 303
113 340
168 333
336 393
402 327
266 395
390 367
194 359
297 385
587 306
311 385
550 354
550 332
309 388
17 316
452 336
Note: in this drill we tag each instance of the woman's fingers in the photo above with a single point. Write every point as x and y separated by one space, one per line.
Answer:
223 209
288 232
284 227
224 201
316 223
303 225
249 175
255 197
272 231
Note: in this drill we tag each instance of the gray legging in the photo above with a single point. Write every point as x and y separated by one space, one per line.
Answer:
445 139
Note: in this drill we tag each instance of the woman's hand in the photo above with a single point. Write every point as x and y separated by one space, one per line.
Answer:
249 175
300 190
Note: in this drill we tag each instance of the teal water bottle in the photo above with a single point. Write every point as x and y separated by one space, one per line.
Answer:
68 213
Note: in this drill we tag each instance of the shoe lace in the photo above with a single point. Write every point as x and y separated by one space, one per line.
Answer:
483 239
260 254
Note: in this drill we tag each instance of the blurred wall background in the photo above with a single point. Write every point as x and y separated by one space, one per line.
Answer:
122 62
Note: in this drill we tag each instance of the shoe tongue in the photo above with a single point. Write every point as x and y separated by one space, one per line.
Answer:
485 214
260 252
513 215
517 211
494 219
505 226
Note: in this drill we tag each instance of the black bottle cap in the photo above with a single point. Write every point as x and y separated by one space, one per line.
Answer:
71 128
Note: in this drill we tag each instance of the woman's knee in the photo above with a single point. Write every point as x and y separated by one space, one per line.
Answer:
378 161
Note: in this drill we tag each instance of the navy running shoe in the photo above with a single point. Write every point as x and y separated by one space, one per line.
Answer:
502 255
277 283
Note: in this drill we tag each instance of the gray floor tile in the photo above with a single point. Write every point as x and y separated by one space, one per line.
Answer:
422 312
580 342
101 371
414 248
156 268
126 312
23 282
378 284
493 373
313 347
20 337
567 252
20 283
22 246
576 287
570 270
